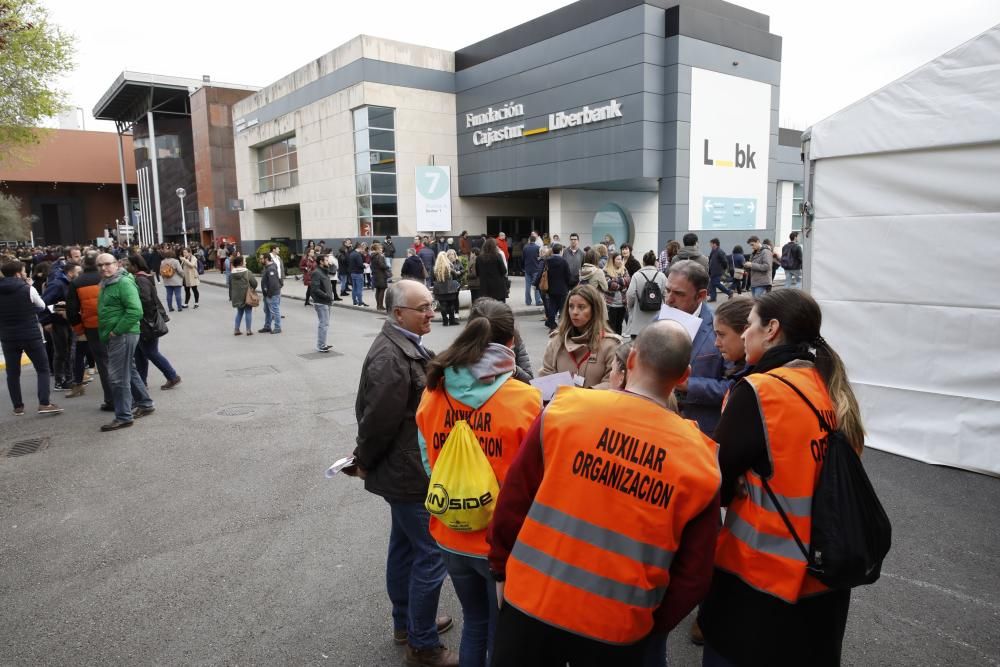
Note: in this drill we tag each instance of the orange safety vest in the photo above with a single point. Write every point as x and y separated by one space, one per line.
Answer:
623 477
500 425
755 544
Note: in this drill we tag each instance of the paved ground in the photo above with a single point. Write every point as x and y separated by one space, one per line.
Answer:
206 534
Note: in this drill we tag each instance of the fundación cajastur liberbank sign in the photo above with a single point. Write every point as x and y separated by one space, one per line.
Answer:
557 121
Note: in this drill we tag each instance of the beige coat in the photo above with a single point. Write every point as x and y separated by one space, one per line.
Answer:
190 268
596 370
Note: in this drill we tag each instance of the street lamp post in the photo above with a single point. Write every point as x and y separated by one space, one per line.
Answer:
184 228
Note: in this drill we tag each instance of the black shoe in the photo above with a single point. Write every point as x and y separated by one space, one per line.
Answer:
107 407
337 298
263 331
365 304
115 425
142 412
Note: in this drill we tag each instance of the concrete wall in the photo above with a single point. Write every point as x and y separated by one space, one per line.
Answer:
573 211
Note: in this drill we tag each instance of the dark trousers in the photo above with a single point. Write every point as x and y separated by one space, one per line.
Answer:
449 308
100 352
148 351
35 349
523 641
80 360
187 294
380 298
716 284
62 350
553 308
616 316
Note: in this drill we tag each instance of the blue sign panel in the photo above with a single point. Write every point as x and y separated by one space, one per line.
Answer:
728 213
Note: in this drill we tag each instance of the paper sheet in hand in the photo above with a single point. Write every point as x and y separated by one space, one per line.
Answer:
690 323
549 383
339 465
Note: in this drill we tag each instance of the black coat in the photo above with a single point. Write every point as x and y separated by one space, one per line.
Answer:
355 262
380 272
492 277
392 382
413 267
321 287
558 275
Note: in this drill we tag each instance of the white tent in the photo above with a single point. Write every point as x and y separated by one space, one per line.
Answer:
903 255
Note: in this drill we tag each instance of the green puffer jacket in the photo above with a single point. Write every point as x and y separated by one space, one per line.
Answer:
118 306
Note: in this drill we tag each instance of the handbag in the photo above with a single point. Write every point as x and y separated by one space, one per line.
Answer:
543 282
251 299
148 330
738 273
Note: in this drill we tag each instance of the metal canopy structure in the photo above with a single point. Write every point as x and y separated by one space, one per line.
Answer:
135 95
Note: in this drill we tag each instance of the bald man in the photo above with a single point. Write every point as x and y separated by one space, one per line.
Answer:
603 541
118 313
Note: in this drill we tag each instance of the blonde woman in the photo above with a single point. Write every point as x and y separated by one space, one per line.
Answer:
583 344
446 288
618 280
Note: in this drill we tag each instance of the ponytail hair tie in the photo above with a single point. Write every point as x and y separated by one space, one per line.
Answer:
818 340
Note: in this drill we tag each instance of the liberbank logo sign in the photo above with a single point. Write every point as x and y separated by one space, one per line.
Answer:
557 121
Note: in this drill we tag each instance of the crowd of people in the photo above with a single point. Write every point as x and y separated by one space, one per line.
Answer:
76 312
606 532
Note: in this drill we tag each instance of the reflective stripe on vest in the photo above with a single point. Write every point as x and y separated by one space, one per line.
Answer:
755 544
500 425
622 478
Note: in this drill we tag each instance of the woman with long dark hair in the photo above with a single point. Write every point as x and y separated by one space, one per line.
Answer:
148 349
473 380
583 344
764 608
491 268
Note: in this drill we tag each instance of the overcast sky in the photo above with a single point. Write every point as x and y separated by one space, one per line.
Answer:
834 52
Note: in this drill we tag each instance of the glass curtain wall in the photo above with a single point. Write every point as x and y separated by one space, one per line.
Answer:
375 171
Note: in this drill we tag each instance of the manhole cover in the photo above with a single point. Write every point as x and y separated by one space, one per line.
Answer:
252 371
237 411
24 447
320 355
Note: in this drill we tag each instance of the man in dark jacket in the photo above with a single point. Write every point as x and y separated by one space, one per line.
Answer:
559 284
20 334
321 291
388 459
58 329
345 250
532 267
81 309
718 264
427 256
413 267
791 261
356 269
270 287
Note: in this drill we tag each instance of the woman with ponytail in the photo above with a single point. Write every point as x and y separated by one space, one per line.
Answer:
473 380
764 608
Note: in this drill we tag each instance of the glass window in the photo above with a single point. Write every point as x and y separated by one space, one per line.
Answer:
277 165
375 170
384 205
383 183
614 220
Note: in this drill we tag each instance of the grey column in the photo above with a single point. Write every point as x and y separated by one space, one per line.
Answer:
156 179
121 171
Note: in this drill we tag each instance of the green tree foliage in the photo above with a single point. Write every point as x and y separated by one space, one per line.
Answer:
13 226
34 54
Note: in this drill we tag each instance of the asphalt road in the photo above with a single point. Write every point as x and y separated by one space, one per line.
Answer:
207 534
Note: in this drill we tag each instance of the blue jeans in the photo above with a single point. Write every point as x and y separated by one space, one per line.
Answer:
323 313
554 307
357 288
149 351
344 283
272 312
477 591
35 349
244 313
758 291
793 278
414 572
716 284
174 292
126 385
529 281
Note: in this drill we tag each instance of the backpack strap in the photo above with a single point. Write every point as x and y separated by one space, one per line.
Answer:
822 421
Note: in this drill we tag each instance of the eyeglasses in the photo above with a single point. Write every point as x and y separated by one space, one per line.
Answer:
106 263
422 309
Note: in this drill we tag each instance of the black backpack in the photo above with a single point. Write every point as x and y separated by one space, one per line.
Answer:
650 295
786 256
851 533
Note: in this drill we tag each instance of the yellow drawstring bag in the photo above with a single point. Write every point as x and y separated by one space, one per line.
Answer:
463 489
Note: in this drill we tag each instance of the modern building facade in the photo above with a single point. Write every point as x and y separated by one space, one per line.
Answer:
642 120
189 121
69 184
